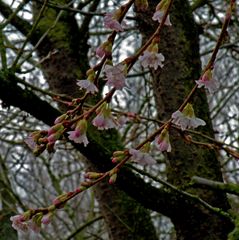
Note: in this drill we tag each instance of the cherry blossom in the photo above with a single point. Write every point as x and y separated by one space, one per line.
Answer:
140 157
111 22
160 11
18 223
21 223
162 141
104 118
186 118
115 75
79 134
102 122
158 16
88 85
46 219
208 82
104 49
152 59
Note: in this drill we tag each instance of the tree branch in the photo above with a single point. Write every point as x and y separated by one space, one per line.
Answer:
20 24
209 184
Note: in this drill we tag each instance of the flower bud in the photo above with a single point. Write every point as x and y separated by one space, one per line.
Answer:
105 49
56 128
59 202
93 175
86 184
113 178
118 156
46 219
61 118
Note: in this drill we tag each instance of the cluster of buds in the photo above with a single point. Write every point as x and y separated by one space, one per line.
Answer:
30 220
38 141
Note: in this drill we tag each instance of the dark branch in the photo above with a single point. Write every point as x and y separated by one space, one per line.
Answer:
20 24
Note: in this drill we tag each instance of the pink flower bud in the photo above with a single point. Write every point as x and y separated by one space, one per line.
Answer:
113 178
61 118
105 49
47 218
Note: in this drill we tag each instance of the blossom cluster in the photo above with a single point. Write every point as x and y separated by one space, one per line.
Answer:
24 222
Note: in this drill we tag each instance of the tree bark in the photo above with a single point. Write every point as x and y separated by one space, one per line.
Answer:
124 217
180 46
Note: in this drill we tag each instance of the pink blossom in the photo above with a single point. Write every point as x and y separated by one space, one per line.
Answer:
46 219
186 118
115 75
158 16
104 118
111 22
79 134
18 223
104 49
88 85
100 52
152 59
140 157
78 137
208 82
102 122
162 141
211 85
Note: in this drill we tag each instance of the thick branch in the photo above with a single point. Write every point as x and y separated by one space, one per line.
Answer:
13 95
160 200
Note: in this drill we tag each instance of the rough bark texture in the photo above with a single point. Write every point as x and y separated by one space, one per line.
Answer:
61 71
179 45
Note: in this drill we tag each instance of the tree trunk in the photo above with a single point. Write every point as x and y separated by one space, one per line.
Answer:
179 45
125 218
